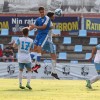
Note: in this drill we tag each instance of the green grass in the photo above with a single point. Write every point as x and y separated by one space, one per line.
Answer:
49 90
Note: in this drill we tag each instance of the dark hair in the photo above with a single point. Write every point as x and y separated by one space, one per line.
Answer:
41 8
50 14
25 31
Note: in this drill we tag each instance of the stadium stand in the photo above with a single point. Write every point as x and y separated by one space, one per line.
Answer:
88 55
2 46
62 55
93 41
82 33
4 32
78 48
14 38
67 40
31 33
61 46
56 31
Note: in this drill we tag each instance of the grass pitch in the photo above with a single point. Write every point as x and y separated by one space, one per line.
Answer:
49 90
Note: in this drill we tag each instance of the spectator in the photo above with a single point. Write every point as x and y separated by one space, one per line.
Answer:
9 53
1 53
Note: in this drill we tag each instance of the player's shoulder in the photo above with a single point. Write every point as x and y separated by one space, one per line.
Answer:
31 40
20 38
47 17
38 18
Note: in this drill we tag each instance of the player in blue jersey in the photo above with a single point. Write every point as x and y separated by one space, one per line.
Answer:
25 44
42 24
95 78
49 46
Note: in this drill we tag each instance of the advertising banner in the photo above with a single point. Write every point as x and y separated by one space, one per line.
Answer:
64 71
92 24
15 24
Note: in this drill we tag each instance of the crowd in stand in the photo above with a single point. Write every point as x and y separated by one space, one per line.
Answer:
7 54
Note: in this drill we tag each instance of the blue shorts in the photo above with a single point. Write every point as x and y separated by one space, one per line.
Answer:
40 39
49 47
97 66
22 65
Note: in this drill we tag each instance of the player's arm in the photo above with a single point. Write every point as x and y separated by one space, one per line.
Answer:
40 27
31 27
16 43
94 49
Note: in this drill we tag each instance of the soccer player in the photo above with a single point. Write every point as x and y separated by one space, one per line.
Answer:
25 44
49 46
96 50
42 24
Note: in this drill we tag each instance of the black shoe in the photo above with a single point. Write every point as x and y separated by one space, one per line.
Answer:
22 87
28 86
35 71
55 76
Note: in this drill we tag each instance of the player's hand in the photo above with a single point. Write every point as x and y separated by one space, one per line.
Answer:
25 27
32 27
90 59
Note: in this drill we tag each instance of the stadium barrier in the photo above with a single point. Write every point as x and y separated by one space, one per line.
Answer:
64 70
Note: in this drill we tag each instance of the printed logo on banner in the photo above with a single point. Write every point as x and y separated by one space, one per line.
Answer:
66 70
11 69
47 70
17 28
84 71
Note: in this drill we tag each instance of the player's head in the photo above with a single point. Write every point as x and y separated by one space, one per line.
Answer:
25 31
51 15
42 11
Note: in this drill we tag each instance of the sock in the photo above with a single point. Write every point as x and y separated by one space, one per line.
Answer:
28 77
20 77
53 66
33 54
94 79
38 58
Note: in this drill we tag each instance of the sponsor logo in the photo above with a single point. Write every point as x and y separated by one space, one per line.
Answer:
11 69
84 71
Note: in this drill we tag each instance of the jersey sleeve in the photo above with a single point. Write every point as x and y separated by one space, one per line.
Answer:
51 24
98 47
47 20
36 22
17 42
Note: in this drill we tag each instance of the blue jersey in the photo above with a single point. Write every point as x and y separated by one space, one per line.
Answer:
41 37
40 22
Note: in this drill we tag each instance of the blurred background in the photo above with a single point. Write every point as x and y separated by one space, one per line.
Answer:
78 26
